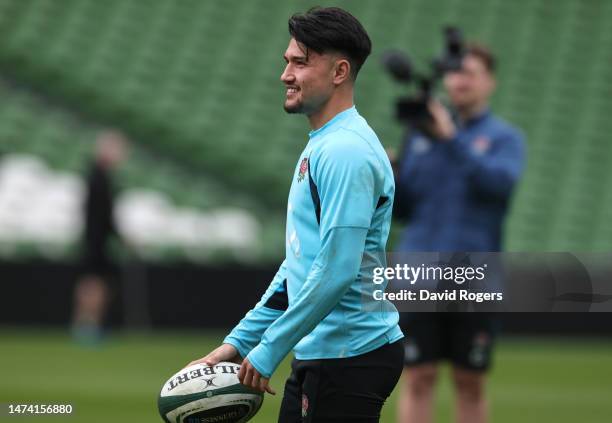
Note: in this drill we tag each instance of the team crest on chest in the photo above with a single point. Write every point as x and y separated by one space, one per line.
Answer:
303 169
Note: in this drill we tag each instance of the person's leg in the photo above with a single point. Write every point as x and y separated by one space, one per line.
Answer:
473 336
352 389
471 400
424 346
92 296
291 405
90 303
417 394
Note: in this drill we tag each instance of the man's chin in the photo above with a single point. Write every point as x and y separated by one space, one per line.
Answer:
462 103
293 108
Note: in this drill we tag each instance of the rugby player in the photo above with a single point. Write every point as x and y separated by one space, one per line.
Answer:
347 360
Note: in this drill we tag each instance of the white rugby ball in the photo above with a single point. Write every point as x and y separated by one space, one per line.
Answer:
207 394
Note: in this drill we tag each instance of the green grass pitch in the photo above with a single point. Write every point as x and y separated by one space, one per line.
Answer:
533 380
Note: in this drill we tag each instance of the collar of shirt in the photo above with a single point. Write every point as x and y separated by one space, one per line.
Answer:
333 122
473 120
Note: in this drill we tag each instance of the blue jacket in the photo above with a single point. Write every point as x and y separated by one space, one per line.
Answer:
455 194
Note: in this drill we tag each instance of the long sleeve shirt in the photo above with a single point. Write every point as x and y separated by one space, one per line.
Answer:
338 218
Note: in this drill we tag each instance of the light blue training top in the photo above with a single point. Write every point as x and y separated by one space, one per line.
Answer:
338 218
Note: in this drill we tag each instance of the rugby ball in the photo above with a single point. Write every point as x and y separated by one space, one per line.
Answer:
206 394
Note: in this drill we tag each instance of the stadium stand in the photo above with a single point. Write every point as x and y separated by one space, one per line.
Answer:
40 201
196 82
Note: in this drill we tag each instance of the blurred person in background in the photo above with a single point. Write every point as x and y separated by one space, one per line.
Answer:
454 183
92 293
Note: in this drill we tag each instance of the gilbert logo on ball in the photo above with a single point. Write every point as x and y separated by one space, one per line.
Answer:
207 394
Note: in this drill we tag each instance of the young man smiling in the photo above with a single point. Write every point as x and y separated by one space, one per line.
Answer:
347 360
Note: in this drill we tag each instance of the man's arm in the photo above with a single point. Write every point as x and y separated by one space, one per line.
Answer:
344 174
247 334
494 172
334 270
408 180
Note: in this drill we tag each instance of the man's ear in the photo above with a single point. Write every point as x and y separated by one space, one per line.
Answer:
342 71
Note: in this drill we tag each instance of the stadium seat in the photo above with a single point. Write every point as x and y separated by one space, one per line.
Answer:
196 83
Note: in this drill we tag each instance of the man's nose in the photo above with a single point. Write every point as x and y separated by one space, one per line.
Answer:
287 76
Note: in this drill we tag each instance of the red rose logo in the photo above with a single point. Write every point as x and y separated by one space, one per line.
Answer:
304 405
303 169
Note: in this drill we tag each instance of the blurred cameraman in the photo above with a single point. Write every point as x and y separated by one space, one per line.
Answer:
455 178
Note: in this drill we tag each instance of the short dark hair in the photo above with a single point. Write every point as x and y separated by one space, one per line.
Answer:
483 54
332 29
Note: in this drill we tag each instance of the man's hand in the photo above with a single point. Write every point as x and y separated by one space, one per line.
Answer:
249 376
225 352
441 126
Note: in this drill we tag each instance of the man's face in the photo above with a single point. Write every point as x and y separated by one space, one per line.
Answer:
111 149
471 86
307 78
